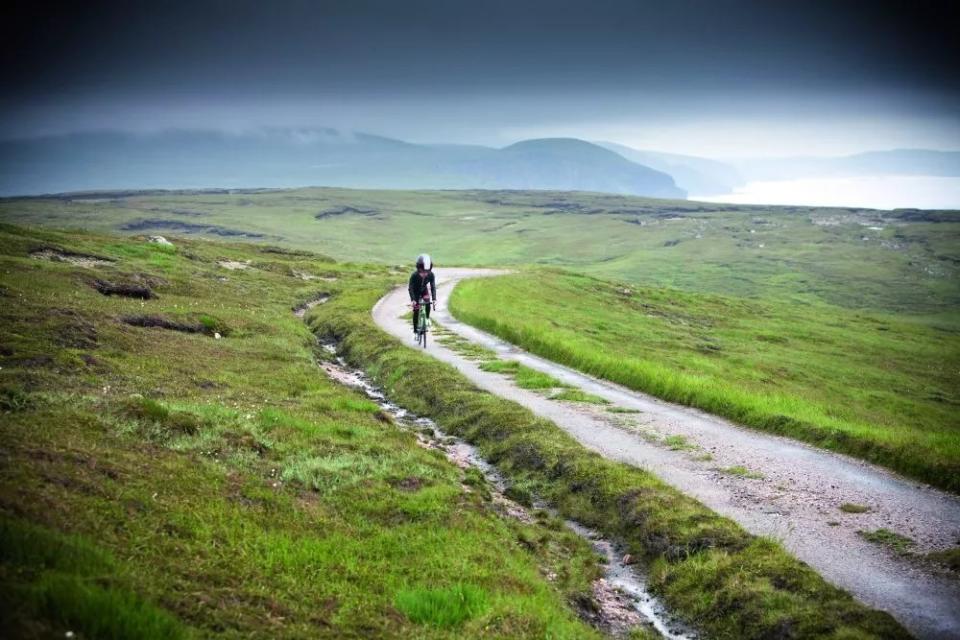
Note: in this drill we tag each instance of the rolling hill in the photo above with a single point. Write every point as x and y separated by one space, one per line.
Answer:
311 157
806 255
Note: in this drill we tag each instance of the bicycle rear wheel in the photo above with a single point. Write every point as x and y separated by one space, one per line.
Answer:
422 329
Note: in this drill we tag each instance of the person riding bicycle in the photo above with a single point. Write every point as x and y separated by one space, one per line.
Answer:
422 288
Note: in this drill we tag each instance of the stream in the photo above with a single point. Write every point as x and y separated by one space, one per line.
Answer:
622 599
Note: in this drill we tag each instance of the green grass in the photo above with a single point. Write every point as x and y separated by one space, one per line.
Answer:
527 378
885 537
509 367
850 507
235 488
707 569
442 607
876 386
678 443
799 254
464 347
576 395
100 612
158 483
742 472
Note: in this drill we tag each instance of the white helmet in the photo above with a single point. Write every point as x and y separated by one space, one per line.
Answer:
424 262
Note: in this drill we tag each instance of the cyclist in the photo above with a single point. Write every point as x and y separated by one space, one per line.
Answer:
422 289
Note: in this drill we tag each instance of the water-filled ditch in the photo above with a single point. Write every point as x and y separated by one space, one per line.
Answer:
622 600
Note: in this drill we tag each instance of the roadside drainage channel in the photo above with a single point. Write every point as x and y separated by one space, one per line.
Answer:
301 309
622 599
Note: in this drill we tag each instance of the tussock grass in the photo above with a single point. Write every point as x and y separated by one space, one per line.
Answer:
448 607
708 569
576 395
850 507
527 378
878 387
68 588
899 543
742 472
523 376
101 612
501 366
678 443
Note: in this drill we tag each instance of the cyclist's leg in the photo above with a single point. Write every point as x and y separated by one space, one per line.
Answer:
415 314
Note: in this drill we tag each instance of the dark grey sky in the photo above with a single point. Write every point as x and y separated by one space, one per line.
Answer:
692 75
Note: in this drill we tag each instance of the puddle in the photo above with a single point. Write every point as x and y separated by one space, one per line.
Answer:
621 595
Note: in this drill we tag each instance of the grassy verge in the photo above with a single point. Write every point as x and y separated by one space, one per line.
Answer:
159 481
706 567
873 386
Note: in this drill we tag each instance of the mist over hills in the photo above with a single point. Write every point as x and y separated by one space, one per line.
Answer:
698 176
284 157
707 177
322 157
895 162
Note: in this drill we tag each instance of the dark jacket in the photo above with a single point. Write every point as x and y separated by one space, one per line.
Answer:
418 285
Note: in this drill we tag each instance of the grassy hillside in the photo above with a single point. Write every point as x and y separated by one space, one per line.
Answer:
903 261
877 386
160 481
164 483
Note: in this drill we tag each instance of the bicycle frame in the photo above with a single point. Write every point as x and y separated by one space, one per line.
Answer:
422 326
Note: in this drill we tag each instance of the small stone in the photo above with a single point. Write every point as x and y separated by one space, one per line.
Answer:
160 240
628 559
217 336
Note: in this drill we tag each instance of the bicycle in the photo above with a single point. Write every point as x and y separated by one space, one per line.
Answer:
423 323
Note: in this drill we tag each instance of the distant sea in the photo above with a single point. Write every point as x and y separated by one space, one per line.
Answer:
875 192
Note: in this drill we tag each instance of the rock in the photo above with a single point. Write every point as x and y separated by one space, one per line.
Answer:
234 265
160 240
629 559
217 336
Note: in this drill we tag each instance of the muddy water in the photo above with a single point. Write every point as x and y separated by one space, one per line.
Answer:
621 595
